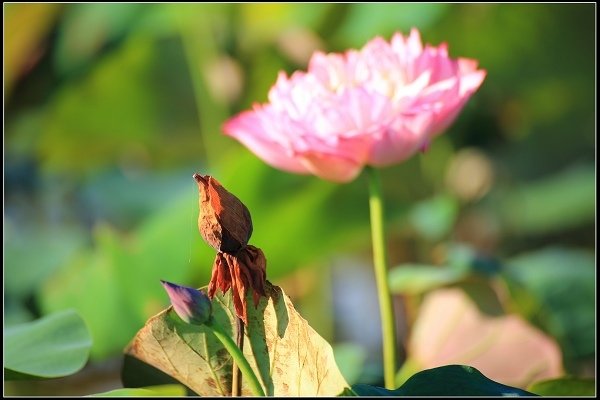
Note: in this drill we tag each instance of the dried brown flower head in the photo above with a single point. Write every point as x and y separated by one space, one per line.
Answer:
225 224
224 221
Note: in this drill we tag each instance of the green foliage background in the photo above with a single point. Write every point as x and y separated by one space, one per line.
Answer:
110 108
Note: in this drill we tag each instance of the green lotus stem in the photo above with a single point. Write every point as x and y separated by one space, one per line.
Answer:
238 357
386 309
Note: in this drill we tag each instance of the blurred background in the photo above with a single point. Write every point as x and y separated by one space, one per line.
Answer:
110 108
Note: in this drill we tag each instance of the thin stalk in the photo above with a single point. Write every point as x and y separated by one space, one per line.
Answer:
236 380
238 358
386 308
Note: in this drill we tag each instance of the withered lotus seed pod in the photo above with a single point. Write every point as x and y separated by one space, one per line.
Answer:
224 221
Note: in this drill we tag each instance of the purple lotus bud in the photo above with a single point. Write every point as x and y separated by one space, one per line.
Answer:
191 305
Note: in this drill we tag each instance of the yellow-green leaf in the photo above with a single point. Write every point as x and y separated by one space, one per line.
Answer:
564 386
150 391
287 355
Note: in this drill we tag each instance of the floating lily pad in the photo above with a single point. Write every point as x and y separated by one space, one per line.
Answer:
54 346
449 380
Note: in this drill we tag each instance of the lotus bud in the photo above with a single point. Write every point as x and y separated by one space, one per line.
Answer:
191 305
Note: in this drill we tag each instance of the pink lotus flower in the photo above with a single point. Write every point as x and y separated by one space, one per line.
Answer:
376 106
